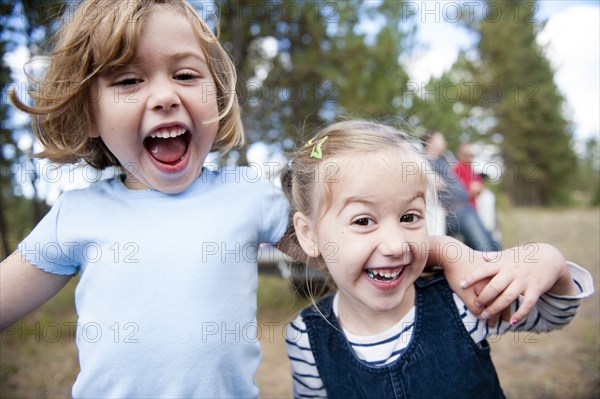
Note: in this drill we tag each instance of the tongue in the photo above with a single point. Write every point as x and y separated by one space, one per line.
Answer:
166 150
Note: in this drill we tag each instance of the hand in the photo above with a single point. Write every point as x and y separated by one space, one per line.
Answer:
529 270
459 271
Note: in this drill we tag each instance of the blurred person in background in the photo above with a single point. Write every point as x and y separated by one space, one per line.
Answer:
464 170
480 196
461 218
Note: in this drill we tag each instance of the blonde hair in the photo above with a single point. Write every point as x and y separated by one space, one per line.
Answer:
96 37
309 189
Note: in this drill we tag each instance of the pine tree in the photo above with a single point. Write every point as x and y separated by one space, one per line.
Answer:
527 106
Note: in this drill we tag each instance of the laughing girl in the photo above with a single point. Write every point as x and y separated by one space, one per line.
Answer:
358 193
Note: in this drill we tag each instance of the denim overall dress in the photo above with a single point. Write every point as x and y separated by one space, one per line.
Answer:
441 360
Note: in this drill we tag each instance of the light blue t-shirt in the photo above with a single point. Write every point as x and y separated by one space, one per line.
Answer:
167 292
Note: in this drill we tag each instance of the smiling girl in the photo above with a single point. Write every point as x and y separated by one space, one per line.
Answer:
358 193
165 251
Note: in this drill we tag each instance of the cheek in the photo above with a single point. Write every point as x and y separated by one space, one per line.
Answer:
419 245
205 101
330 252
332 242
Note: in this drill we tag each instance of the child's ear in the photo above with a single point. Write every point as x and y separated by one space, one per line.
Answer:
305 233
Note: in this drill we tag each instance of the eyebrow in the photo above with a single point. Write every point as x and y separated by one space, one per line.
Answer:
178 56
190 54
365 199
182 55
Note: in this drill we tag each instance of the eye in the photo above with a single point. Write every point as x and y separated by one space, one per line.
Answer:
186 75
127 82
410 218
363 221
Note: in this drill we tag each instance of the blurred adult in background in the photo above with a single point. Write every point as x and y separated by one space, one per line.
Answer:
464 170
461 218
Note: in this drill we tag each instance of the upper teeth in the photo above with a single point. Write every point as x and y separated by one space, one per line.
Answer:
373 273
168 132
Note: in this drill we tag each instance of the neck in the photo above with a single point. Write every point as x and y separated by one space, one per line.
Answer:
360 319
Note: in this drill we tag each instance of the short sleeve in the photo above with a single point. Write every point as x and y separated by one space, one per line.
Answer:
275 213
43 248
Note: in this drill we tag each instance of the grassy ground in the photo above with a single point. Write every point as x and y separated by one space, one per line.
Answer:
563 364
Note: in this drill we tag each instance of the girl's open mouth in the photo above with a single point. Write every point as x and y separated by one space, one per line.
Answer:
168 146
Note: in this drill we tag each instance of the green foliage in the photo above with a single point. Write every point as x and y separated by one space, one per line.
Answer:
323 67
537 146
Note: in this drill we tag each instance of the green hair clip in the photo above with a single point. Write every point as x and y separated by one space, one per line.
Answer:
316 150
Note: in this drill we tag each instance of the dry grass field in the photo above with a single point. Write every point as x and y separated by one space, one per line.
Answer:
565 363
36 363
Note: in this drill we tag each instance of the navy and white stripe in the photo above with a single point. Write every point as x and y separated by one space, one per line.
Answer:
550 313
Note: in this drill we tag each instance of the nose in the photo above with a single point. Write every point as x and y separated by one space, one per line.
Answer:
392 241
163 96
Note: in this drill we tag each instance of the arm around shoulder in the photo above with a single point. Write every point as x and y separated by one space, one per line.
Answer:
24 287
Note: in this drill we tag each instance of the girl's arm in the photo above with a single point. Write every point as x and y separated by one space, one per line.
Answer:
24 287
305 375
489 282
528 270
458 261
550 312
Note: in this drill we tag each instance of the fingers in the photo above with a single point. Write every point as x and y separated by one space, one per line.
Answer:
469 297
494 289
502 300
482 272
527 304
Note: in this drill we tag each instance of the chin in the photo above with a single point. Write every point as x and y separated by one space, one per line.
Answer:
391 303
